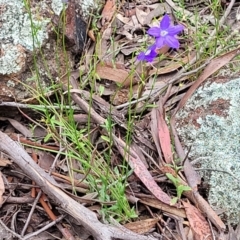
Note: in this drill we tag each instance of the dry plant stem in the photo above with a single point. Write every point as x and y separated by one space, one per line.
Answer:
155 93
167 228
19 200
14 219
49 186
65 232
31 213
30 119
34 144
30 235
211 228
150 158
33 190
12 189
152 215
9 230
30 106
55 160
179 226
45 206
69 180
85 107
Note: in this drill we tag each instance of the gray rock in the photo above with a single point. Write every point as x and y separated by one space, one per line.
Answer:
16 35
32 58
210 123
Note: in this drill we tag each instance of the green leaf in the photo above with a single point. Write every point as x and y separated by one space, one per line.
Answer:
105 138
151 106
181 189
173 201
174 180
49 135
101 90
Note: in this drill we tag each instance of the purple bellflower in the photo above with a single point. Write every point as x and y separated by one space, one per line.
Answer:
149 55
165 34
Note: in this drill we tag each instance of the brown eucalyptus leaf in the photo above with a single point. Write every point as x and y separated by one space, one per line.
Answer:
198 223
141 171
142 226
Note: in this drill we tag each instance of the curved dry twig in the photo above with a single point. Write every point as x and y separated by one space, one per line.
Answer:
49 186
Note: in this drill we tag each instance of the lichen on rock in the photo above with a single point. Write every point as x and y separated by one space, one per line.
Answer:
31 36
210 123
15 31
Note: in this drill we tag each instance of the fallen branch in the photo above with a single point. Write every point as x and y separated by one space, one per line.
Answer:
49 186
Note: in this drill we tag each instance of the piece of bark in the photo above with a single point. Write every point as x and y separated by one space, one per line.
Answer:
49 186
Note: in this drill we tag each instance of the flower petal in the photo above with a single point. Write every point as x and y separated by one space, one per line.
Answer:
159 42
152 47
175 30
171 41
149 55
165 23
141 56
154 31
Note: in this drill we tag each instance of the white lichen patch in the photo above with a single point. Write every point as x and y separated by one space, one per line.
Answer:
12 60
88 6
215 141
57 6
17 29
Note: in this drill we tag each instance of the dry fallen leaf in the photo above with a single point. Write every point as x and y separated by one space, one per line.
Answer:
4 162
102 45
123 19
108 11
198 223
163 132
155 203
164 138
45 160
159 9
141 171
120 97
141 15
142 226
173 66
91 35
18 126
154 132
114 74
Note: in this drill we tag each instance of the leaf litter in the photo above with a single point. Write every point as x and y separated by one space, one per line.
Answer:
153 153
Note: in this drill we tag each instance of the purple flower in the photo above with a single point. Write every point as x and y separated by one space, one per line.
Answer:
166 34
149 55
